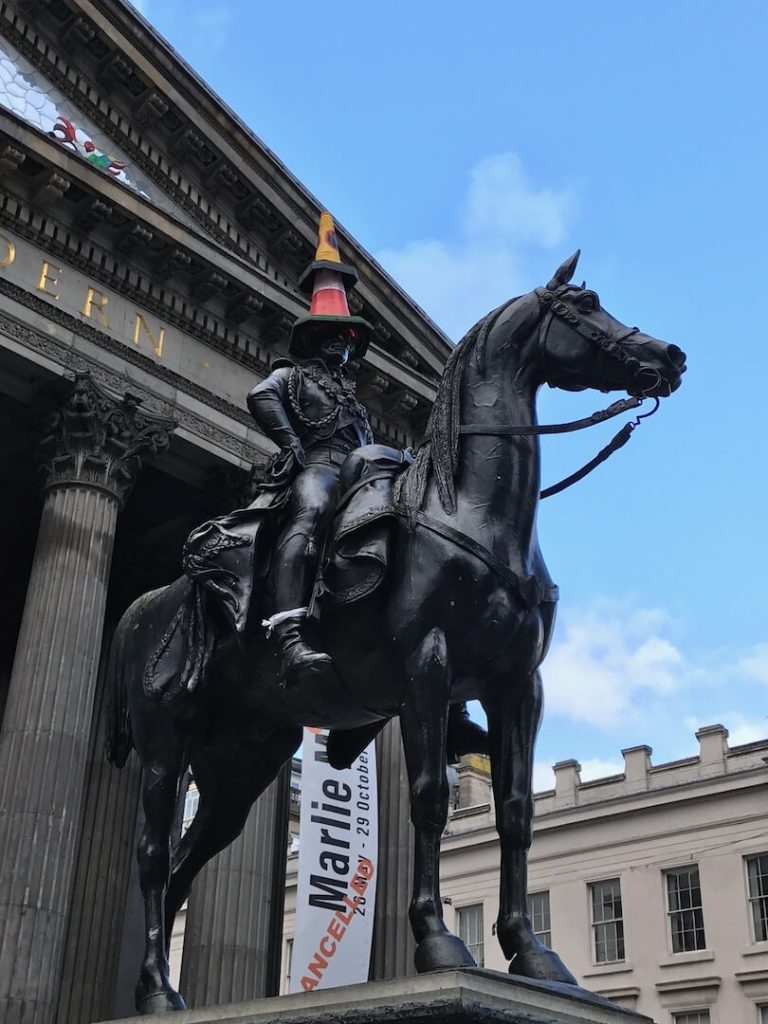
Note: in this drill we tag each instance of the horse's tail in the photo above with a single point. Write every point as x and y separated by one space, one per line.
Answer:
119 741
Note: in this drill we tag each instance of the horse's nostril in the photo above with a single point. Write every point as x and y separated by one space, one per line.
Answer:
676 355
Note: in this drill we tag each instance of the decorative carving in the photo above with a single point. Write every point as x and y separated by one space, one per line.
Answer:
377 383
405 402
98 440
243 306
291 246
79 32
50 186
114 70
91 213
208 284
382 333
277 327
408 357
10 159
256 212
151 109
355 303
135 236
172 261
187 145
221 178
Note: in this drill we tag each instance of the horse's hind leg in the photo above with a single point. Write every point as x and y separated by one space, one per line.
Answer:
423 719
154 992
513 721
230 777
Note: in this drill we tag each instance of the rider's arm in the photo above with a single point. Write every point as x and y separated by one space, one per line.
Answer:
267 404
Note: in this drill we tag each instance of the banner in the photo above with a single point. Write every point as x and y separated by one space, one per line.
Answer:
338 854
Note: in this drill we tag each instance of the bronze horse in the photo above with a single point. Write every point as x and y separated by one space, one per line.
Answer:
466 612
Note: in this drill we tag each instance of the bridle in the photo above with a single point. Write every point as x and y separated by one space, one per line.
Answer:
609 346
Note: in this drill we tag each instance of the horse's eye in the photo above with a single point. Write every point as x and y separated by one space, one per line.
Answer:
588 303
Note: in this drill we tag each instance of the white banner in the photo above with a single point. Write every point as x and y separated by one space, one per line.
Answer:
338 854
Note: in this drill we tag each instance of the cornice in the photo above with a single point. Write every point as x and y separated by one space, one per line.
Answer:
227 167
236 312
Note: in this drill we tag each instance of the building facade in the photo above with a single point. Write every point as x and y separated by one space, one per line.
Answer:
150 249
652 885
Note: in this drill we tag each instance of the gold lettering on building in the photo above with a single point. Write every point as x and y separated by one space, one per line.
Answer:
140 324
94 299
7 257
46 278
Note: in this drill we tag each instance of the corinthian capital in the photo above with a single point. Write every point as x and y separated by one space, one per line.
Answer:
96 439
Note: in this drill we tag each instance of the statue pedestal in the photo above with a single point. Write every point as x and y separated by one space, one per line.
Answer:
445 997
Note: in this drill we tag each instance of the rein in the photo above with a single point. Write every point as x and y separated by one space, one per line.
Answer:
617 441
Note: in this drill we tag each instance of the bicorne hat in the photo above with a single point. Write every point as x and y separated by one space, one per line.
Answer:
326 279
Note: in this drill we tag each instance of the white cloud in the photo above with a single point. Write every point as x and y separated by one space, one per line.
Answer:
754 664
605 659
459 279
543 776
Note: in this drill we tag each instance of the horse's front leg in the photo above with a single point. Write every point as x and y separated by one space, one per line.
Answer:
154 992
423 719
513 721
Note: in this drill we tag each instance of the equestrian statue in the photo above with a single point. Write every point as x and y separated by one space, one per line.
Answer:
365 583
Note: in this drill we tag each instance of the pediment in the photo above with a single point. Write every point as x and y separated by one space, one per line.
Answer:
26 92
144 121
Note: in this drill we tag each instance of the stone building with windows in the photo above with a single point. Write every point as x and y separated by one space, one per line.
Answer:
652 885
150 250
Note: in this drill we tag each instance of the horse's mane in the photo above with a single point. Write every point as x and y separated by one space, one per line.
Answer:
439 453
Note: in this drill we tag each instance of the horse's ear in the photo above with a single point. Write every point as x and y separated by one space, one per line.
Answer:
565 271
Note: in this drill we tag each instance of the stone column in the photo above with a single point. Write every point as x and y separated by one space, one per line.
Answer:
234 926
105 852
93 452
393 944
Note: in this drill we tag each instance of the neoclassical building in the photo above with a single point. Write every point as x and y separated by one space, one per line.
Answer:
150 248
652 884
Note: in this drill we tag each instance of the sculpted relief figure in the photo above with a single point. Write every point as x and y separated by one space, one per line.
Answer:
433 590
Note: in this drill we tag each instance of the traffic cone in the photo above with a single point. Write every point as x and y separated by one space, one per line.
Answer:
326 279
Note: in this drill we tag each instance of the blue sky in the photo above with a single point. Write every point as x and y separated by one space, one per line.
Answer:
470 148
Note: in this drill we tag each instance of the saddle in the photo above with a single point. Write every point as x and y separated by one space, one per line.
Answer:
227 562
357 551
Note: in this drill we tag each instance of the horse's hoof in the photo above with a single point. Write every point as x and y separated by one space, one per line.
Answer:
542 965
164 1001
441 951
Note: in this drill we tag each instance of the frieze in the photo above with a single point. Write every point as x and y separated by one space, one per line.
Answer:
80 363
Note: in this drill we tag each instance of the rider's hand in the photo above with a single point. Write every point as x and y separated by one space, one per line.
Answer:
297 450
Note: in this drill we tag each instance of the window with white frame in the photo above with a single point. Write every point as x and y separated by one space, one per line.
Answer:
757 881
684 909
691 1017
538 911
762 1012
470 920
607 921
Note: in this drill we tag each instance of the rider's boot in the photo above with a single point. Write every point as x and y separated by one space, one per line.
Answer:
464 735
300 660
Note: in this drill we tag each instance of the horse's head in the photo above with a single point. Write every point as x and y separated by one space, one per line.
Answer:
583 346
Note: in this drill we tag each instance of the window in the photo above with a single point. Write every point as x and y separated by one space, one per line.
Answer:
288 963
607 921
763 1013
691 1017
686 917
471 931
538 911
757 879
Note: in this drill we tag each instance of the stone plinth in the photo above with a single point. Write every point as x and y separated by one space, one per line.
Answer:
445 997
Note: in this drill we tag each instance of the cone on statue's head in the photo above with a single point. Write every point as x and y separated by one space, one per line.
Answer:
326 279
